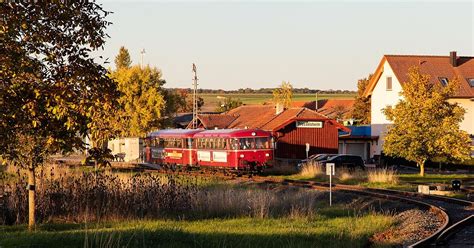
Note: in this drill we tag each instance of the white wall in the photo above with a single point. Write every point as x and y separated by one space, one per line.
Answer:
381 98
468 123
132 147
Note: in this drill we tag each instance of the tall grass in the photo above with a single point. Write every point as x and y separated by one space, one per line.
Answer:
86 196
383 175
311 169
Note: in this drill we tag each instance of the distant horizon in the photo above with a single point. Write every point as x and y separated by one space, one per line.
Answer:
317 45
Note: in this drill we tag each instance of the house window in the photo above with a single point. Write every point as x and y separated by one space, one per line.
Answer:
444 81
471 81
389 83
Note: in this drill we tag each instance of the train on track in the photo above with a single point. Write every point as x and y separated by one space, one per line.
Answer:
236 149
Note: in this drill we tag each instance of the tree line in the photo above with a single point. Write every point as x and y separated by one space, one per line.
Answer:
265 91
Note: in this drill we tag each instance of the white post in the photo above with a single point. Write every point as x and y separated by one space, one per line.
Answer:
330 190
330 171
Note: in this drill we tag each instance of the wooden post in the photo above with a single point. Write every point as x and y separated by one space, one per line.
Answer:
31 198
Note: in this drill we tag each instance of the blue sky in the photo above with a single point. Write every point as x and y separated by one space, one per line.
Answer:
321 45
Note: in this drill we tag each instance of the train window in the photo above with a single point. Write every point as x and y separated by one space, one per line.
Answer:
262 143
247 143
234 144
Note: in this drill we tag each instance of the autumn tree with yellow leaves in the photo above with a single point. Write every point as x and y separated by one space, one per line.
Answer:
283 94
142 101
425 125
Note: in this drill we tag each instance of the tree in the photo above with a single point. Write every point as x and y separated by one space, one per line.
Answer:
283 95
361 110
142 104
123 59
425 124
52 93
228 104
339 112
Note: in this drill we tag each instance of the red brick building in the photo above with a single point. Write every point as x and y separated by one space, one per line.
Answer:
292 128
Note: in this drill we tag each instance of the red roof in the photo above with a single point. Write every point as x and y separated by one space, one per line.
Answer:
435 66
262 117
212 121
331 108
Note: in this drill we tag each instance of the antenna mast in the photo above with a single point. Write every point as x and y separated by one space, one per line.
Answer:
195 106
142 53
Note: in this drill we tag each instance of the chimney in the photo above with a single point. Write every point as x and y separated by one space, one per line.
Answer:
453 59
279 108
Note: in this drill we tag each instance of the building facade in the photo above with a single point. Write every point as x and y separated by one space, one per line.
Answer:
386 85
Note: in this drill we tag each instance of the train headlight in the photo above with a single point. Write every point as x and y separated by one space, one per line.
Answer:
267 155
241 155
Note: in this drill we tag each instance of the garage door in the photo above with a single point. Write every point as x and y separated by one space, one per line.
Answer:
356 149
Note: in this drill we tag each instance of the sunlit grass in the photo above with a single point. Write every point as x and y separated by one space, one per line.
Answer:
321 231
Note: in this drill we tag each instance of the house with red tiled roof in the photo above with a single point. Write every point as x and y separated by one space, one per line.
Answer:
392 74
292 128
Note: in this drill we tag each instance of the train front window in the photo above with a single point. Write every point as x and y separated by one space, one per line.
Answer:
262 143
247 143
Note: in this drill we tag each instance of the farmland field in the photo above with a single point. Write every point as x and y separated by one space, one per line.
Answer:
211 100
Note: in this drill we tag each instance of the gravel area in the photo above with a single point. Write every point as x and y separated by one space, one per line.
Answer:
412 225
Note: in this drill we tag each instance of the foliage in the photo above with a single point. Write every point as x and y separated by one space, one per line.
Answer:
249 91
98 156
425 124
228 104
184 101
52 93
361 108
142 104
283 95
339 112
123 59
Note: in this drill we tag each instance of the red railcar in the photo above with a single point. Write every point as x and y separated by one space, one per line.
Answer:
234 148
171 146
226 148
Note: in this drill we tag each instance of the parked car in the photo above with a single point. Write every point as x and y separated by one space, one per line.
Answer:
315 158
346 160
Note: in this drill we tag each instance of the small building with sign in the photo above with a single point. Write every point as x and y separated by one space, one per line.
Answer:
291 128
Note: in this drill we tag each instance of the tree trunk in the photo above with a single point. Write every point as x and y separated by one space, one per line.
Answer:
31 198
421 164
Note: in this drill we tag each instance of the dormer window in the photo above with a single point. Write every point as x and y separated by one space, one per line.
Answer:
389 84
471 81
444 81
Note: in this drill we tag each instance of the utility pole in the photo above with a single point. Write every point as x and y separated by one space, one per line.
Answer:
316 102
142 52
195 107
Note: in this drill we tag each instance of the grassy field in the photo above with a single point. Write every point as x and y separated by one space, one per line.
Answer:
149 210
211 100
331 228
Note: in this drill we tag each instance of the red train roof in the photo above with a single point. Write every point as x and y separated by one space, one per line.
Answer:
232 133
175 133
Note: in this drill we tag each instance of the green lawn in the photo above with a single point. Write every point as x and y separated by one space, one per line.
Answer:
211 100
433 178
329 230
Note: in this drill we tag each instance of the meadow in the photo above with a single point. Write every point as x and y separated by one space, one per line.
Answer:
82 208
211 100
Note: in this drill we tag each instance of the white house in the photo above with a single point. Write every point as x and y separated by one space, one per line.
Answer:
392 73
